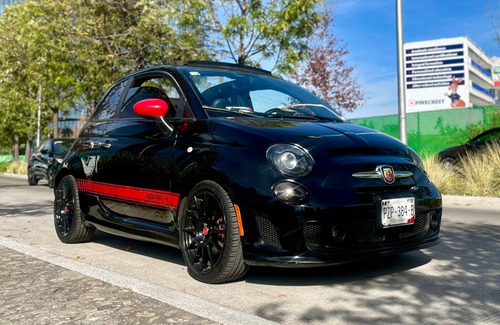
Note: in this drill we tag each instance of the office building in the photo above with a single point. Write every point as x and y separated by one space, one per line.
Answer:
447 73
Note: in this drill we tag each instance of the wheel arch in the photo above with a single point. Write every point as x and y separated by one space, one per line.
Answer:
195 178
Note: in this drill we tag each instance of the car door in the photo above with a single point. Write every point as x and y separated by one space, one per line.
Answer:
91 141
136 164
40 159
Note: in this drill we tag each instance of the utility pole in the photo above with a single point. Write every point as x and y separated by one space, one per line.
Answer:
401 72
39 100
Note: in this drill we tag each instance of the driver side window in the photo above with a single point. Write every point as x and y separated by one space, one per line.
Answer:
153 87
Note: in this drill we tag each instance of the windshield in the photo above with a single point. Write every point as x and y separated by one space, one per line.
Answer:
61 147
257 95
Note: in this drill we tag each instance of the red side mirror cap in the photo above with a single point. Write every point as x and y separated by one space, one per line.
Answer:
152 107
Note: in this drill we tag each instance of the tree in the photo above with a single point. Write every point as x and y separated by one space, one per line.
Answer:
254 30
18 78
325 72
74 49
114 37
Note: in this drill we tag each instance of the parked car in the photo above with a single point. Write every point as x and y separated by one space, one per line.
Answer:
45 160
238 168
450 157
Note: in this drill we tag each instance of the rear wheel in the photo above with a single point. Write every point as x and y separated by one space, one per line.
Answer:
68 215
50 177
209 235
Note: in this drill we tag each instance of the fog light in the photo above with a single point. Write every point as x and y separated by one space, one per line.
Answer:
338 233
290 192
434 222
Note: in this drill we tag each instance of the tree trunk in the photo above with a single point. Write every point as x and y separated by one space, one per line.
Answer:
15 149
55 121
27 154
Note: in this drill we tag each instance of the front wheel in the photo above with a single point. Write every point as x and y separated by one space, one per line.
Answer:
31 177
68 215
209 235
449 163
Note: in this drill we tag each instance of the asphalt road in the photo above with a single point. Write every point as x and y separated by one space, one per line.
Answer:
456 282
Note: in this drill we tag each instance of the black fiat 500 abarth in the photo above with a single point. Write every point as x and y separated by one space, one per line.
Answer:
237 168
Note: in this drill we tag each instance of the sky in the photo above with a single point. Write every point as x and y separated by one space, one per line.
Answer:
368 27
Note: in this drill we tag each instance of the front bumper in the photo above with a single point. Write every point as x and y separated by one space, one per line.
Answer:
337 235
309 259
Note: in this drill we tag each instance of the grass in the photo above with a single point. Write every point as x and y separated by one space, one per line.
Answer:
3 167
474 175
14 168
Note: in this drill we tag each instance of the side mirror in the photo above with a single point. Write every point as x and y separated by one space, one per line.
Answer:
151 107
157 109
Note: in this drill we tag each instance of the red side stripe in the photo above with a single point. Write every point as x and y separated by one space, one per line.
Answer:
129 193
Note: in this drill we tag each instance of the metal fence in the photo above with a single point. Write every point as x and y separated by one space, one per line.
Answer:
432 131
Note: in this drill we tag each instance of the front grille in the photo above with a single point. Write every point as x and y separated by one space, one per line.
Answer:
359 233
313 233
367 233
268 232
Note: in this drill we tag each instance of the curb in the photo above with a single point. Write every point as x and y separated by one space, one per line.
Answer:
478 201
15 175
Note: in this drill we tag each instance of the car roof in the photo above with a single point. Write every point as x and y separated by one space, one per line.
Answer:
227 66
207 65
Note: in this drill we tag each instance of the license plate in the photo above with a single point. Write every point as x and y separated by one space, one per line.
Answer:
399 211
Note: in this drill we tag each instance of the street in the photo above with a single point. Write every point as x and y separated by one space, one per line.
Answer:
455 282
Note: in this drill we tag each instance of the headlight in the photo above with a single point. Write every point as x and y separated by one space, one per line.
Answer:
290 160
416 158
290 192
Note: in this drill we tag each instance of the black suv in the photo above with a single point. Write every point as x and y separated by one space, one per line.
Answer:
45 160
237 168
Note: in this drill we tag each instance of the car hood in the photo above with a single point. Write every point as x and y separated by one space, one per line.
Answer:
336 138
452 152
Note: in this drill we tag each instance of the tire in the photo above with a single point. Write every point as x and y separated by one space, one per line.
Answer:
32 180
51 177
209 235
448 163
68 215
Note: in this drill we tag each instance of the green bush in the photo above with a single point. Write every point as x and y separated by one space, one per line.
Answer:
3 167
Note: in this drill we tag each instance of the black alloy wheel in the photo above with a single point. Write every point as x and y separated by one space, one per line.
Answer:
209 235
68 215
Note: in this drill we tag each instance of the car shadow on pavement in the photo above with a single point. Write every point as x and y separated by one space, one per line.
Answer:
458 283
16 209
139 247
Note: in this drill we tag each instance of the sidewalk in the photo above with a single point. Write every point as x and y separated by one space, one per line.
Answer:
39 287
36 292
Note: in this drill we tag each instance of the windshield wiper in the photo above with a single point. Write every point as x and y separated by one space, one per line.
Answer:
331 119
235 111
293 116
